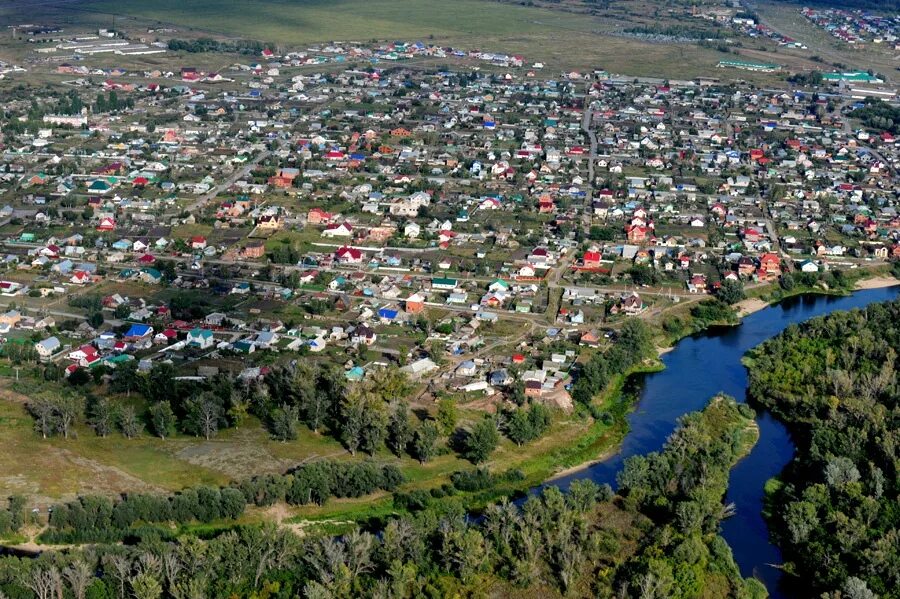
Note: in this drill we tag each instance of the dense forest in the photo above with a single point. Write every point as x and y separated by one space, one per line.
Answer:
658 537
836 510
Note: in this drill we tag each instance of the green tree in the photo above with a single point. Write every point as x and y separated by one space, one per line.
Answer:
284 422
731 292
162 419
128 422
400 430
425 441
447 415
481 441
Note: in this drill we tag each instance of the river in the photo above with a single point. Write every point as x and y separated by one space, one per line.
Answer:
698 368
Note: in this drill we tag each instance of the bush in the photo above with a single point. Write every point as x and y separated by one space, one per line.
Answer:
473 480
413 501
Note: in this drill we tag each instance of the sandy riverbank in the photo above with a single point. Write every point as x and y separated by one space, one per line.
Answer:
749 306
877 283
583 466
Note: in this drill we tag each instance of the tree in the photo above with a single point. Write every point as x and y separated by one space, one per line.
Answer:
731 292
481 441
160 384
353 418
126 378
399 428
146 586
204 413
527 425
786 281
316 409
801 520
78 574
102 415
425 440
447 415
44 413
128 422
284 422
79 377
162 419
68 407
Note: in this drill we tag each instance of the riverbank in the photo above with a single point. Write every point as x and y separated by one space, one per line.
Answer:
754 304
879 282
744 308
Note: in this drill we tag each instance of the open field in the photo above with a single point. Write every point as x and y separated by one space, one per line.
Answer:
560 39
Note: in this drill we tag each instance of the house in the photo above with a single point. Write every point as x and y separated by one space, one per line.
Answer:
84 355
244 346
200 338
444 283
348 255
107 223
269 222
387 315
412 230
534 382
363 334
466 368
47 347
419 368
338 230
808 266
138 331
770 264
589 339
500 378
81 278
253 250
632 304
265 339
198 242
591 260
10 318
414 303
317 216
215 319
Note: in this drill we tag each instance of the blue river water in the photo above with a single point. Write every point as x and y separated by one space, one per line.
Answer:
698 368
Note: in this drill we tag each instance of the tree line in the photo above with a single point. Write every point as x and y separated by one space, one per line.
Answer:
207 44
93 519
834 511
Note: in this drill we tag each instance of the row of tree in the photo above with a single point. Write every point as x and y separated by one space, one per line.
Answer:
94 518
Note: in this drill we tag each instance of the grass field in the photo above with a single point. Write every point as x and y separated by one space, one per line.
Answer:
561 40
302 21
